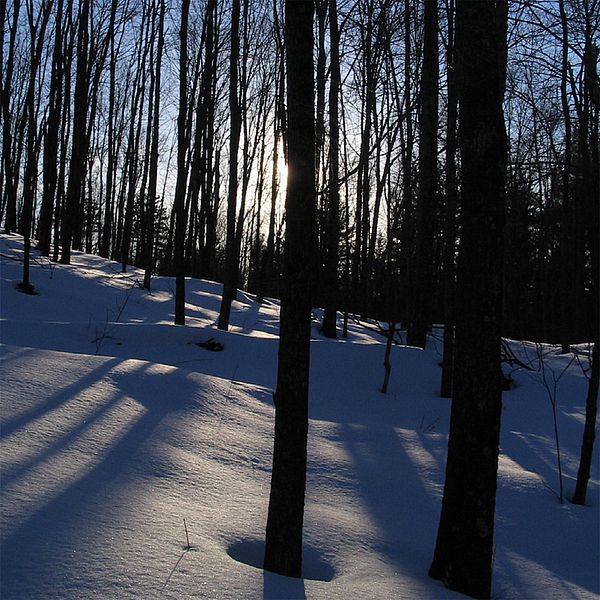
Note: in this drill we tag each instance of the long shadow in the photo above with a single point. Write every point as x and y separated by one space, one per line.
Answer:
45 549
526 511
57 399
533 447
392 491
11 474
248 317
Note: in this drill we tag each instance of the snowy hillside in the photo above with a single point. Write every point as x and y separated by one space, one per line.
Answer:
136 464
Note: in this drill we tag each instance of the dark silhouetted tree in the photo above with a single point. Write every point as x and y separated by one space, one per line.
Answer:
231 253
332 230
283 547
180 186
464 547
421 307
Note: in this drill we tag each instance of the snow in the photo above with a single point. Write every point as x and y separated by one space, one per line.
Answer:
116 427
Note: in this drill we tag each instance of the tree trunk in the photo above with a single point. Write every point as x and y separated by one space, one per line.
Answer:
464 548
50 167
567 217
593 185
387 365
589 431
421 313
231 258
283 547
10 175
208 201
107 226
449 269
333 204
148 258
406 233
182 145
38 33
78 146
361 270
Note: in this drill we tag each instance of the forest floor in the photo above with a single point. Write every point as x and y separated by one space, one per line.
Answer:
136 464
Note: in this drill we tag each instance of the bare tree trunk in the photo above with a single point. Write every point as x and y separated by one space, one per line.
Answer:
449 269
406 233
248 156
208 198
361 271
231 260
387 365
78 149
283 547
107 227
333 204
421 313
65 130
51 147
589 431
10 175
465 540
180 192
320 236
37 30
257 243
566 238
593 231
148 258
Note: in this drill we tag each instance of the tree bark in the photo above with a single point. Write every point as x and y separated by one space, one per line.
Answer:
151 212
593 210
231 258
589 431
567 217
283 547
37 29
182 145
107 226
406 233
449 268
333 204
464 547
10 175
421 313
50 167
78 146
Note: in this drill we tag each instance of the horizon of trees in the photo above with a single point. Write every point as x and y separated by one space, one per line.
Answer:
90 100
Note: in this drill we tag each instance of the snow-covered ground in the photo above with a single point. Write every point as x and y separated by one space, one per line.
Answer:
121 439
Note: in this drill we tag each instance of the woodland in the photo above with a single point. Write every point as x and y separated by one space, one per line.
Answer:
409 163
93 146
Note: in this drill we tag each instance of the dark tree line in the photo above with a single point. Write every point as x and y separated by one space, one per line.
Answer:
91 150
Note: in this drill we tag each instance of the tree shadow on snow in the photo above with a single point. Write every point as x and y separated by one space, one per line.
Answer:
49 545
391 487
314 567
57 399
